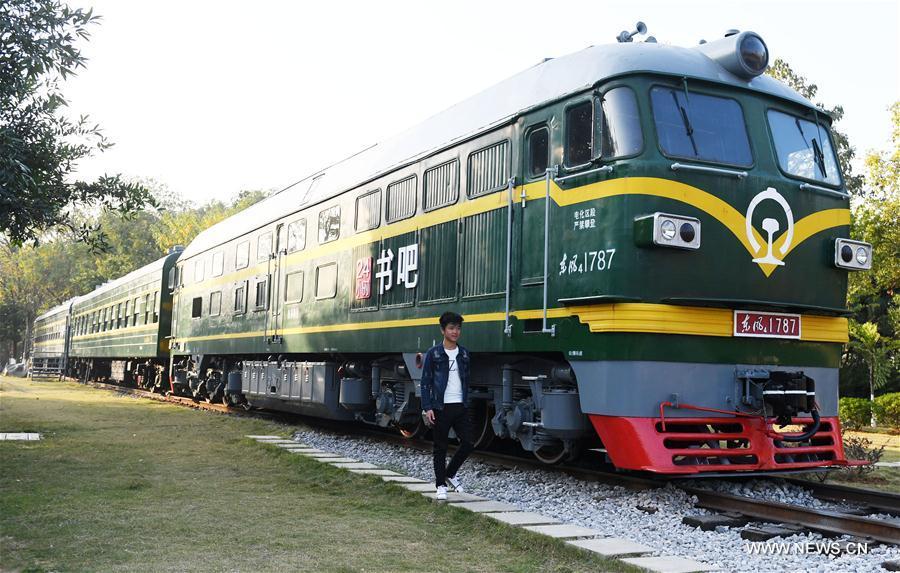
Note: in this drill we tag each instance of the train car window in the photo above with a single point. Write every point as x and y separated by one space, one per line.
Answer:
579 134
620 124
326 281
218 264
127 312
401 199
296 239
136 311
147 308
215 303
441 185
119 315
261 293
103 320
198 270
264 247
293 287
240 298
329 224
197 307
538 152
804 148
156 302
368 211
242 255
488 170
700 126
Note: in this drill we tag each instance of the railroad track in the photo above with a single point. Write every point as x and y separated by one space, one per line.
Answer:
825 521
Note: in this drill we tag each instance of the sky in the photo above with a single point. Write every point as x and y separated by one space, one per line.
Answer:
210 98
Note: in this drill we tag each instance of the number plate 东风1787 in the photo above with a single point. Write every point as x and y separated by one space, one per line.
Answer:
766 324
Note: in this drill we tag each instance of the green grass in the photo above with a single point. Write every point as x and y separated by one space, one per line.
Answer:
122 484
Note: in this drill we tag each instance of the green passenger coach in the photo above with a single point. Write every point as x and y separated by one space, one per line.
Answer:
50 342
120 331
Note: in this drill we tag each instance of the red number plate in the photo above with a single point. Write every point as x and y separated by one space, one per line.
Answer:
766 324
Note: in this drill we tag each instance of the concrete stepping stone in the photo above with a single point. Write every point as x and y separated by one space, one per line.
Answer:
453 496
354 465
20 436
306 451
292 445
333 460
257 437
323 455
399 479
564 531
522 518
275 441
375 472
418 487
612 546
487 506
668 564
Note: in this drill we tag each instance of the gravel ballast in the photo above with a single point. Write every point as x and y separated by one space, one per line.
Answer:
614 511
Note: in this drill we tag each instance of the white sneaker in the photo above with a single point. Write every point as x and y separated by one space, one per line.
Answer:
442 493
456 483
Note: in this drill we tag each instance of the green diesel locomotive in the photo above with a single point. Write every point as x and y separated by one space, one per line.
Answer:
648 244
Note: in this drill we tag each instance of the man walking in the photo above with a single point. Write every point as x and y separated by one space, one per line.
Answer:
445 395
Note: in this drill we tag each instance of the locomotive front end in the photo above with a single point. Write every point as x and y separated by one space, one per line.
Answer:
708 262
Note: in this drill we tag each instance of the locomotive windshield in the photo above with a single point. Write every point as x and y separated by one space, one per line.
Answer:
803 148
699 126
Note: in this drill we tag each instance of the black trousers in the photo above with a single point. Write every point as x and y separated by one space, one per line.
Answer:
454 416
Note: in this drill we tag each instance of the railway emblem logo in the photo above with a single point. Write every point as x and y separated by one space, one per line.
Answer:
770 226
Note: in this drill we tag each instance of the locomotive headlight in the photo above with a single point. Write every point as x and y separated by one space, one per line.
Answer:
667 230
754 54
744 54
852 255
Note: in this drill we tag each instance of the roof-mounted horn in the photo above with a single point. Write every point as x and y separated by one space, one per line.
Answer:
626 36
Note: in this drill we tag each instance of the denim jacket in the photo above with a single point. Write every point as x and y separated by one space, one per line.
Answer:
436 371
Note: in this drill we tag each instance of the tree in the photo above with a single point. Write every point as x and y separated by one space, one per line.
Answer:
39 146
875 352
179 226
780 70
874 296
883 178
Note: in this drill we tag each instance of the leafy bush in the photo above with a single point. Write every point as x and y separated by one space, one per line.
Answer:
887 410
859 448
854 412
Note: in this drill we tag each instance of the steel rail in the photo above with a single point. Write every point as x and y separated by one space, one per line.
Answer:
816 519
881 501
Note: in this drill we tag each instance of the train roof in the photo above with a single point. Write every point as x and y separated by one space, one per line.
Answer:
63 307
539 85
155 266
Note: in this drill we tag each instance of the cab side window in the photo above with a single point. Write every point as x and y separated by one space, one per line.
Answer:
579 134
538 144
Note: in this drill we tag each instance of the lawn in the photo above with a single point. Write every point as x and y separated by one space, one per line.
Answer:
124 484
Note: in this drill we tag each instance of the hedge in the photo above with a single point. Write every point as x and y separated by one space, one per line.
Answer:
855 412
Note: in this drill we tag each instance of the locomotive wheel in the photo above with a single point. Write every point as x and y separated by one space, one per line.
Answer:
412 430
550 455
482 429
